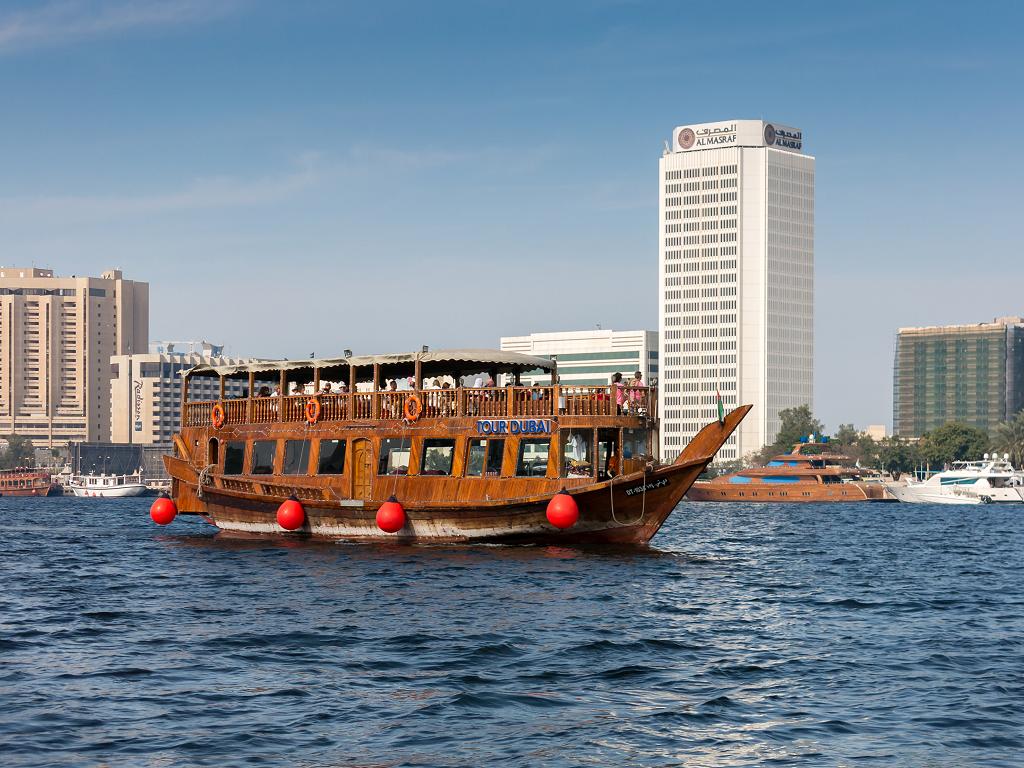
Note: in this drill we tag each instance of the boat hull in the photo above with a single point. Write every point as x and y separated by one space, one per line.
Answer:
109 493
787 493
629 509
921 493
51 490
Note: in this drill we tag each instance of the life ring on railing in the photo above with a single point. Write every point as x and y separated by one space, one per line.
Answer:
313 410
217 416
413 408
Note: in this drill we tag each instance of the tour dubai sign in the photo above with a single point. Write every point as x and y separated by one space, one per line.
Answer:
513 427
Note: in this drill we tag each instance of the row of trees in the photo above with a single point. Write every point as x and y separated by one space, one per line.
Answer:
18 453
951 442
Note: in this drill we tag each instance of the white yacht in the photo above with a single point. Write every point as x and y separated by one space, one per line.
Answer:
107 486
988 481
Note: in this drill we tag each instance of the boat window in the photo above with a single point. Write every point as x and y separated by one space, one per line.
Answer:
296 457
394 456
578 453
634 443
263 457
332 457
234 456
607 453
437 456
484 453
533 457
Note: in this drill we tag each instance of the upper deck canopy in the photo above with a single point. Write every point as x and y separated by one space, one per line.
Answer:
397 365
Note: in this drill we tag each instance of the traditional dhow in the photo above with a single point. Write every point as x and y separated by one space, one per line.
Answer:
810 472
25 481
347 454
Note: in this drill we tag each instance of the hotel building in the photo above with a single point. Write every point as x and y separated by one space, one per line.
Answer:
57 335
968 373
735 279
145 390
589 358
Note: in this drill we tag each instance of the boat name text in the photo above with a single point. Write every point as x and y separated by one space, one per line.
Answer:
648 487
513 427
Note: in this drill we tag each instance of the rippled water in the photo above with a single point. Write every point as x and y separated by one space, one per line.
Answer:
791 635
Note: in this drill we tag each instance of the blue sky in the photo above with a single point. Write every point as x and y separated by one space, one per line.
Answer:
296 177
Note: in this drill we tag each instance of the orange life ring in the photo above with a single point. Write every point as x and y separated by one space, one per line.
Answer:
413 408
217 416
313 410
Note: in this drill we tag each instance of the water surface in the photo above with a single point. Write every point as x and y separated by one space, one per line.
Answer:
747 635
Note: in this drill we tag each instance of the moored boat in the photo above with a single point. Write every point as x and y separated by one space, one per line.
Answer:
27 481
810 472
107 486
347 457
991 480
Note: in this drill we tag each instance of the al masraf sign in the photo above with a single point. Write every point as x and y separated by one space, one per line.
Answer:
737 133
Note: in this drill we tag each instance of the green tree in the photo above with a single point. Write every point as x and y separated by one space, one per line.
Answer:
896 456
795 423
19 453
952 441
1008 437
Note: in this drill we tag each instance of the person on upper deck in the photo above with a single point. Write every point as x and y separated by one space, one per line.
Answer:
636 387
325 388
264 391
618 392
298 389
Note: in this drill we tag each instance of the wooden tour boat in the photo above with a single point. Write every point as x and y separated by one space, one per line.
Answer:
342 456
808 473
26 481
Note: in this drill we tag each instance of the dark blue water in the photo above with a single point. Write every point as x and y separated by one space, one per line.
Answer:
749 635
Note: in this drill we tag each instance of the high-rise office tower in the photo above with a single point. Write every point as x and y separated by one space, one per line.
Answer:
57 335
736 279
973 374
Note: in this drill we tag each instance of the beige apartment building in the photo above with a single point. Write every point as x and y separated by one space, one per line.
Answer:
57 335
145 389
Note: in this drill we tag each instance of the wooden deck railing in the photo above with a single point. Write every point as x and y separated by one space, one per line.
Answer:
473 402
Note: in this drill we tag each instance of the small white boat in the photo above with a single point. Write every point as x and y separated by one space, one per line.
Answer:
992 480
107 486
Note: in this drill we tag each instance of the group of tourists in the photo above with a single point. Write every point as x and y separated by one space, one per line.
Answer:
628 397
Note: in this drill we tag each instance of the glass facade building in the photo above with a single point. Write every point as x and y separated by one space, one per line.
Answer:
972 374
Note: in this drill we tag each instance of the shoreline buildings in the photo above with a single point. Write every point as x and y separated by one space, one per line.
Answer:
735 279
57 335
145 389
589 358
968 373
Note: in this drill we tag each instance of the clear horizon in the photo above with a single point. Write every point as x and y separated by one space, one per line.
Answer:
311 177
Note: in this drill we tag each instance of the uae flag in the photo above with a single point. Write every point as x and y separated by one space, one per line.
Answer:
721 408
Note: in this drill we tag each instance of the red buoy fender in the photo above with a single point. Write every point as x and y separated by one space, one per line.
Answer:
290 515
563 511
391 516
163 511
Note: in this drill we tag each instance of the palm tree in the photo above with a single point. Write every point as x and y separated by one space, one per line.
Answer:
1008 437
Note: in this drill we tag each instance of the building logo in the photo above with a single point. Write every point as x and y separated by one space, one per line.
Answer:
769 135
686 138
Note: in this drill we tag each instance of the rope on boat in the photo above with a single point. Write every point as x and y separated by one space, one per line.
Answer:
204 479
643 502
